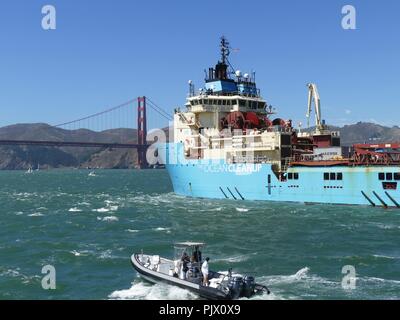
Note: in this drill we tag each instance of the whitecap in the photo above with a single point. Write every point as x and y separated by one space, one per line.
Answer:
385 226
233 259
11 272
302 273
132 230
167 230
242 209
101 210
374 279
75 253
36 214
17 274
110 219
74 210
300 276
383 256
142 291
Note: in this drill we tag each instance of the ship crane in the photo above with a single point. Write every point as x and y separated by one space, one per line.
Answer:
313 95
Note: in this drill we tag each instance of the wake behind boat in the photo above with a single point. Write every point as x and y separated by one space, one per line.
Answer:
186 273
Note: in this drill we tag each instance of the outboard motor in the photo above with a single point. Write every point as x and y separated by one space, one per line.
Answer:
249 285
235 285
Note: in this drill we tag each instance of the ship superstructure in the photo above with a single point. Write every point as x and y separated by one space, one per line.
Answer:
228 143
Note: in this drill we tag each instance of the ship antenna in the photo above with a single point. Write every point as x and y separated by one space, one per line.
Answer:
224 50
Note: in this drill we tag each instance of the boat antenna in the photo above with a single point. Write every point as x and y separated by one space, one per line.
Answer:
225 52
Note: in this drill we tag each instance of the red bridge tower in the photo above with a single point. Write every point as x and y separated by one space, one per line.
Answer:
142 133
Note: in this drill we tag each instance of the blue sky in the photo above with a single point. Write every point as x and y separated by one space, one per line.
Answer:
106 52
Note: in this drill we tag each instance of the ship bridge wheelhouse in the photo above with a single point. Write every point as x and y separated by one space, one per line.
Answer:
216 103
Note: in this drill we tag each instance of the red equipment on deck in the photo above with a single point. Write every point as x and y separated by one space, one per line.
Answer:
377 153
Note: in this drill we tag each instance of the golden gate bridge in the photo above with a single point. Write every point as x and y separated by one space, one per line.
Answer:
120 116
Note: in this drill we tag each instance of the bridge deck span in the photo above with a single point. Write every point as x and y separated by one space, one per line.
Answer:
71 144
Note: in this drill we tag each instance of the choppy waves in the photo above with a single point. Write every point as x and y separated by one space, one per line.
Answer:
94 225
143 291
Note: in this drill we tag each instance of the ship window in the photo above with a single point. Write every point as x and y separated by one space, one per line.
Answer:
326 175
332 176
396 176
205 101
296 176
192 102
389 176
335 142
381 176
242 103
389 185
261 105
201 101
339 176
228 102
224 102
290 176
219 102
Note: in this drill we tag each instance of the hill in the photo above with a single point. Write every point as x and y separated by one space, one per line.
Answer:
20 157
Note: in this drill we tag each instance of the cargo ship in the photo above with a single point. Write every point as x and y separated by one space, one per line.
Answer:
228 143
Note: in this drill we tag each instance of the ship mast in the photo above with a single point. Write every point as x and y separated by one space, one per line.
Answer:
224 50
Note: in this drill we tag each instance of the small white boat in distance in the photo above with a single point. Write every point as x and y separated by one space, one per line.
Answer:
29 170
92 174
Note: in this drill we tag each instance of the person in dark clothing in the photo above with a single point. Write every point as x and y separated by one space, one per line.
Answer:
185 260
197 254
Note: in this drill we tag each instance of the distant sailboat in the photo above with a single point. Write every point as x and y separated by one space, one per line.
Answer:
29 170
92 174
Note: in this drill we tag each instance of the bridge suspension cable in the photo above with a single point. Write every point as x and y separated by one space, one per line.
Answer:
159 110
120 116
98 114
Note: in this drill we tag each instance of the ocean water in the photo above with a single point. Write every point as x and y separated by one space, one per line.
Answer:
88 227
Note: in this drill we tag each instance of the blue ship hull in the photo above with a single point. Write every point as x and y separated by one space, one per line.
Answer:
359 185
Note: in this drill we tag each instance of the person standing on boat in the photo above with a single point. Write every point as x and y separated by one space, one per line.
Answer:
197 254
204 271
185 260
